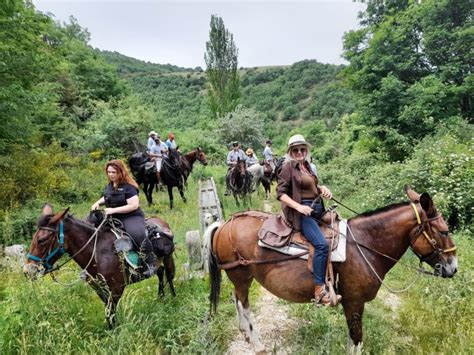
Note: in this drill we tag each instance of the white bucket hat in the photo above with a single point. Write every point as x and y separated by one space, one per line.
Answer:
297 139
152 133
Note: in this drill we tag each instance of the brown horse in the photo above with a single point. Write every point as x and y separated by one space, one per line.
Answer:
375 242
187 161
240 182
94 252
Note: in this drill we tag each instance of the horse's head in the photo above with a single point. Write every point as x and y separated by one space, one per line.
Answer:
241 167
47 245
201 156
430 239
173 157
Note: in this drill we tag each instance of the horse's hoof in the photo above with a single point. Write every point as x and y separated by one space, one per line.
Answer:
184 200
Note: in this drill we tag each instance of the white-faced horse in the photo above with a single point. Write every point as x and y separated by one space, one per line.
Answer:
258 177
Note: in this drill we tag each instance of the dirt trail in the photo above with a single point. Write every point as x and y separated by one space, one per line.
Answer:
271 320
273 324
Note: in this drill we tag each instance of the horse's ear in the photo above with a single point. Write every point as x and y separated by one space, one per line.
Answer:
412 195
58 216
427 203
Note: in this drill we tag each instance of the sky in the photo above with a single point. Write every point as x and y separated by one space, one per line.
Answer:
175 32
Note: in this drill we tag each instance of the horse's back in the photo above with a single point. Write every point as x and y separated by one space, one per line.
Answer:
239 233
290 279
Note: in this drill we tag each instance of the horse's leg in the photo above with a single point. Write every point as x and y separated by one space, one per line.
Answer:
145 190
181 192
161 284
236 199
150 193
109 297
110 311
242 281
170 195
354 313
267 186
169 265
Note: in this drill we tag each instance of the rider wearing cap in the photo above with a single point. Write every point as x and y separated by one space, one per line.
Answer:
157 152
268 154
235 154
170 142
232 157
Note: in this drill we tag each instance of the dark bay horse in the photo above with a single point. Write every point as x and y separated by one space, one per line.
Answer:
178 168
94 252
187 161
171 174
375 242
148 179
240 181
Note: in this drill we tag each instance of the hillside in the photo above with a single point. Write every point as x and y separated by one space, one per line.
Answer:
128 65
305 91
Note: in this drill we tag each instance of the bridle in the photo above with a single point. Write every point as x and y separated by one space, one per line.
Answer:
420 230
59 250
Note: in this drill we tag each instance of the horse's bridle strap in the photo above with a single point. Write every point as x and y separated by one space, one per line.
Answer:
432 242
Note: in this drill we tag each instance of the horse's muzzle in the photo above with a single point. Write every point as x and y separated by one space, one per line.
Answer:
447 270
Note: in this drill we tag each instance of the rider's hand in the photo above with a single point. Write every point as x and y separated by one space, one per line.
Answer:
95 206
109 211
325 192
306 210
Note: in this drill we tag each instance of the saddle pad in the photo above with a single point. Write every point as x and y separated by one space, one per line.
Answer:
337 255
130 256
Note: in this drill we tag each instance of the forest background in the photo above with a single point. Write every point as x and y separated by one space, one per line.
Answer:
399 113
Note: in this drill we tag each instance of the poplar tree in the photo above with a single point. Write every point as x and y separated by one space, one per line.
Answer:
221 60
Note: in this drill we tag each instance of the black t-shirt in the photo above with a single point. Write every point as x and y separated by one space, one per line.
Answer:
118 197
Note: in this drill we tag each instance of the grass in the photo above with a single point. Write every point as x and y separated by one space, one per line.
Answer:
46 317
434 316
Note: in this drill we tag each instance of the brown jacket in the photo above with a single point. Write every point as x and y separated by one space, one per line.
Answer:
289 182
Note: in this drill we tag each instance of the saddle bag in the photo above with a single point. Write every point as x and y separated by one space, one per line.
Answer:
275 231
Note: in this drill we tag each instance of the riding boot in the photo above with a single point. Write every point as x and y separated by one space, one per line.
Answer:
321 296
149 258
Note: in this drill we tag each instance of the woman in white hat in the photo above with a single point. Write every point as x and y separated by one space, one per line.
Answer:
300 197
251 158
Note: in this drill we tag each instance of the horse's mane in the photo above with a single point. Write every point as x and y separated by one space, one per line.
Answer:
80 222
44 220
381 210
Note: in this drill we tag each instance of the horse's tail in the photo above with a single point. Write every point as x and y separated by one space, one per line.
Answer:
215 276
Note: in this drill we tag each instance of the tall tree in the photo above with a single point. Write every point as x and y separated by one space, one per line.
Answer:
221 60
411 68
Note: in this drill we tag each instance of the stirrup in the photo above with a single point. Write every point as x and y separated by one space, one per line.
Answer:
320 301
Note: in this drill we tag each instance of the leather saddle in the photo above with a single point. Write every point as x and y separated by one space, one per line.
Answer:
276 232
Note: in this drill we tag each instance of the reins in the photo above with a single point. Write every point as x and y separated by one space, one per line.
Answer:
93 256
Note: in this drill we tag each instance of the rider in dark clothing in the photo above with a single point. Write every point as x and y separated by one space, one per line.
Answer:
121 200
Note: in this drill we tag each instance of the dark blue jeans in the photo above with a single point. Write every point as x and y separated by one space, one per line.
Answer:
313 234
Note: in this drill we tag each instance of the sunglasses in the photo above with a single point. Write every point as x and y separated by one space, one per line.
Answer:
299 150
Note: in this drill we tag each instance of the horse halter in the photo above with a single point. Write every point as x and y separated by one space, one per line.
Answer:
420 230
59 250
